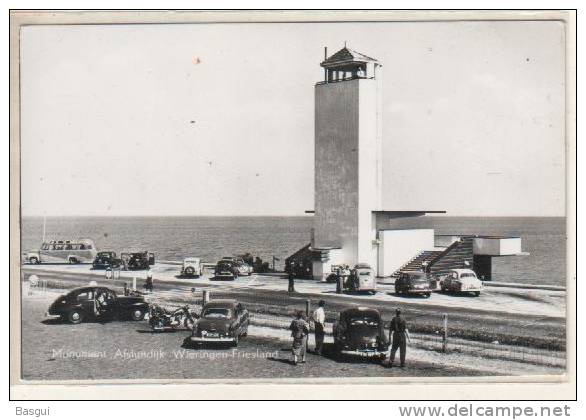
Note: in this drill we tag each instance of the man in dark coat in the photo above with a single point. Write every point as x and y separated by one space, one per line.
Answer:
399 333
291 285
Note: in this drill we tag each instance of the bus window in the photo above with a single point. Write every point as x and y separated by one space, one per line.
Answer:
59 247
82 246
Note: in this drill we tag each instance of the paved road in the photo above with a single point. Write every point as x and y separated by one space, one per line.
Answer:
546 332
129 350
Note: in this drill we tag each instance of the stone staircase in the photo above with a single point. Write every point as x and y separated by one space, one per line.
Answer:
416 264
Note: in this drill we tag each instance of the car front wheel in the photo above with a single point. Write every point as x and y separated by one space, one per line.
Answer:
33 260
137 314
72 260
189 271
75 317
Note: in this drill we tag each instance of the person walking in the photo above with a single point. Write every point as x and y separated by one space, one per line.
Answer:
398 330
319 320
299 331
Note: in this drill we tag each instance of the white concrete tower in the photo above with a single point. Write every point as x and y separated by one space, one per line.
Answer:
347 160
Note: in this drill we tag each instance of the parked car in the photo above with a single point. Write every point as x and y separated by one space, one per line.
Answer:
242 267
360 331
361 279
137 260
80 304
191 267
462 280
413 283
226 269
221 321
106 259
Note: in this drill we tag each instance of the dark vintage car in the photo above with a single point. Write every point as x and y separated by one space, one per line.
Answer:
242 268
95 302
226 269
360 331
106 259
221 321
137 260
413 283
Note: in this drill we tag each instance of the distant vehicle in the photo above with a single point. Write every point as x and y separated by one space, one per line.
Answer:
360 331
106 259
339 270
226 269
361 279
191 267
69 251
137 260
413 283
80 304
242 267
221 321
462 280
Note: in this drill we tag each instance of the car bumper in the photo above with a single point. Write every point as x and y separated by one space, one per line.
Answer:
419 291
364 352
470 289
194 339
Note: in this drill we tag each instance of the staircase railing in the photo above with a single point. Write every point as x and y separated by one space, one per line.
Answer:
441 255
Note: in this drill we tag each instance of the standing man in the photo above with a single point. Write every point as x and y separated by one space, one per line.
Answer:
400 334
291 286
319 320
149 281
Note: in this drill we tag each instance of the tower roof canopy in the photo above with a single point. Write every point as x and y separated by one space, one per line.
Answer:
346 56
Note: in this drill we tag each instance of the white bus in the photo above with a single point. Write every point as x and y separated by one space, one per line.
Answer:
72 252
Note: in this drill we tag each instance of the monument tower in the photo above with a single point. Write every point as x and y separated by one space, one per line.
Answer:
347 159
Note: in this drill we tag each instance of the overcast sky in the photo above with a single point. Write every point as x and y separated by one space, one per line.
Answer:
217 119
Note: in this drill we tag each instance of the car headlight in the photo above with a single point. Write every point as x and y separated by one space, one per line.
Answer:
204 333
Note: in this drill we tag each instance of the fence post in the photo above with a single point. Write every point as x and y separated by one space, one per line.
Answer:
307 312
134 283
206 296
340 285
445 338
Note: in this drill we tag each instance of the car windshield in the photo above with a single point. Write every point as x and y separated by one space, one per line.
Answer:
418 279
363 320
217 313
467 275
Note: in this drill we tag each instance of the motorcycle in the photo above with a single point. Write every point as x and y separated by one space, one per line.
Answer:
161 319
